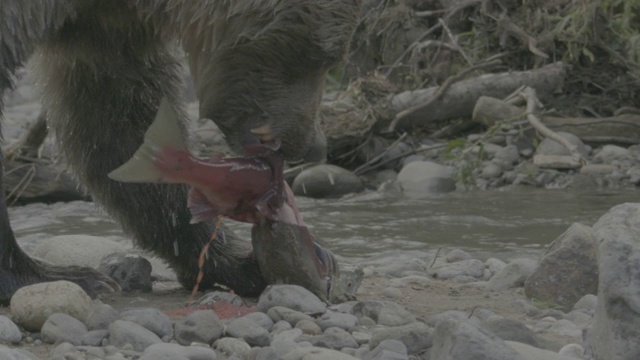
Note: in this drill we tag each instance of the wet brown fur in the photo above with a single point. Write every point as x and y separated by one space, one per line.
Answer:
104 66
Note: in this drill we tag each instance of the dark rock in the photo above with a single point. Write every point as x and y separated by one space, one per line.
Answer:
568 270
130 271
325 181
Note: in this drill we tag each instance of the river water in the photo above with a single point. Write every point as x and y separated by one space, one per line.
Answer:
505 223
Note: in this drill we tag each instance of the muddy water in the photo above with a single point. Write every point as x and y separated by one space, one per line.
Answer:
504 224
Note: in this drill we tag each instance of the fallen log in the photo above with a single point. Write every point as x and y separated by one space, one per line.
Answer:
623 129
459 99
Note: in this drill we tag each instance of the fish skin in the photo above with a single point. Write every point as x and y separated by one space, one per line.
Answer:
279 247
246 189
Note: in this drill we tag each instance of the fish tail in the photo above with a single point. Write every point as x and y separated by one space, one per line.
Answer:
164 133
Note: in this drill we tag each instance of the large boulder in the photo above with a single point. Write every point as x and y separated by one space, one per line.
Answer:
568 270
615 329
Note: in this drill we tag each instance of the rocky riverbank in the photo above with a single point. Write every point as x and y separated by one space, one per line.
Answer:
576 302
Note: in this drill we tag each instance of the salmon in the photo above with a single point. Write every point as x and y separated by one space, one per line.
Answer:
247 189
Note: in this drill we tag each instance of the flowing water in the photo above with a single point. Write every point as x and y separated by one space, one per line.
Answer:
504 223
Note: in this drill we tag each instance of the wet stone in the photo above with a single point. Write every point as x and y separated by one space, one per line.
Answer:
291 296
32 305
334 338
100 316
130 271
383 312
230 346
335 319
151 319
123 332
9 331
309 327
416 336
61 327
247 329
281 313
201 326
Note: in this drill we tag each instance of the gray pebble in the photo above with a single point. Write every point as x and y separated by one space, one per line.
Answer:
309 327
472 267
201 326
17 354
334 338
456 255
100 316
165 351
250 331
95 337
261 319
335 319
130 271
281 326
291 296
383 312
122 332
281 313
416 337
387 350
9 331
151 319
61 327
588 302
232 346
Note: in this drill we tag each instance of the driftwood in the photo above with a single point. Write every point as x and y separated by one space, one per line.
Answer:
459 100
623 129
38 181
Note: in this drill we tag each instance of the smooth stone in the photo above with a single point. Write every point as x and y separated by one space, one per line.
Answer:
456 255
472 268
261 319
7 353
336 319
317 353
130 271
334 338
290 296
528 352
165 351
610 153
202 326
491 171
326 181
94 337
573 351
122 332
231 346
151 319
383 312
416 336
588 302
494 265
309 327
509 329
100 316
61 327
250 331
9 331
281 313
386 350
568 270
450 315
79 250
455 340
32 305
423 178
513 275
508 155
